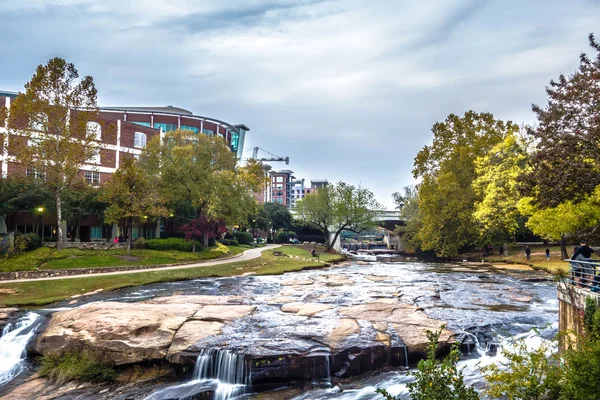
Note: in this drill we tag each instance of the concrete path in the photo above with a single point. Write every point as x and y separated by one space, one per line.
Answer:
247 255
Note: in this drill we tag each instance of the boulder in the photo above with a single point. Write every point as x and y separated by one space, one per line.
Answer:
297 282
345 328
120 333
190 333
196 299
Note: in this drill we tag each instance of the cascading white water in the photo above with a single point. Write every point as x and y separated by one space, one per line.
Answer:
13 345
223 372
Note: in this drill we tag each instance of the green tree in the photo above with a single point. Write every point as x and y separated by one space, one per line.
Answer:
408 204
200 171
21 193
48 128
496 188
339 207
279 215
565 165
526 374
446 169
438 380
132 196
80 201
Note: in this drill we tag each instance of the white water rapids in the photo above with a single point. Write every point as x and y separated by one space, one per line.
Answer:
13 345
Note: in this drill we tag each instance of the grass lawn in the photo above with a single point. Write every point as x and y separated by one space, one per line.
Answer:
48 258
538 258
304 251
44 292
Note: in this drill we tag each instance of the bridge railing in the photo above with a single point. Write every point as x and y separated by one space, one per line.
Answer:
585 274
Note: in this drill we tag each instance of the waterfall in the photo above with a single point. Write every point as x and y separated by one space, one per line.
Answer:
13 345
322 374
223 372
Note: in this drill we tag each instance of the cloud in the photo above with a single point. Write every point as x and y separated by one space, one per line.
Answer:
348 89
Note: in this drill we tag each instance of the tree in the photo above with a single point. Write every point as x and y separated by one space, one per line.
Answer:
202 227
496 188
200 171
48 130
446 170
132 196
438 380
565 165
339 207
279 215
80 201
21 193
408 204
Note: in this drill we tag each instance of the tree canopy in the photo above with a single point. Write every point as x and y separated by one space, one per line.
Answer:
339 207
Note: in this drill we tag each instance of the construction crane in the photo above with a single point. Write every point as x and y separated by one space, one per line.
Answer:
273 156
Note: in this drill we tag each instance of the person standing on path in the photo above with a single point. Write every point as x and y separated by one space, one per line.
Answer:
547 253
528 252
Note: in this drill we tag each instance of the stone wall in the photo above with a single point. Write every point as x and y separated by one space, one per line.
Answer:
88 245
571 309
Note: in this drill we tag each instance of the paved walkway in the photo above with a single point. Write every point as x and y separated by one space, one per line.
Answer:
247 255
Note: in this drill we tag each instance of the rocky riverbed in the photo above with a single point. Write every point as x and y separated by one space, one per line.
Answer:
307 327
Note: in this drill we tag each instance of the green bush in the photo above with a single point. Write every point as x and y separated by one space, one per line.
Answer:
27 242
170 244
284 237
226 242
243 237
140 243
233 242
75 366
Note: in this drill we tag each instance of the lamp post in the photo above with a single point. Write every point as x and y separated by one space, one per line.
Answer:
40 211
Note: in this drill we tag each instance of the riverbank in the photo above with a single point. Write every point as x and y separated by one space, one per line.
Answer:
516 256
40 292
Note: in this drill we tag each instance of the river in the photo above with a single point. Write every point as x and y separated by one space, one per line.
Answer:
487 307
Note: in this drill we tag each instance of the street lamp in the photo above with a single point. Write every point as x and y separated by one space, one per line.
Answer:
40 210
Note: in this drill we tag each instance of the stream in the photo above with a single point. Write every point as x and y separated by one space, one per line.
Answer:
488 308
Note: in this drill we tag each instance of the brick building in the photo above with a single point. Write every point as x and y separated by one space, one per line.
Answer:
134 127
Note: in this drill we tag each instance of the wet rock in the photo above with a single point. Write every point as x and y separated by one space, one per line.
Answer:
6 314
345 328
281 300
249 273
305 309
376 278
521 299
187 336
120 333
362 263
196 299
337 280
297 282
223 313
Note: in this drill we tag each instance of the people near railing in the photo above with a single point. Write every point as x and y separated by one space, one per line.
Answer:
583 274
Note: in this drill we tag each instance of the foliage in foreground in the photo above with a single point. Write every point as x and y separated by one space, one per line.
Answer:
75 366
438 380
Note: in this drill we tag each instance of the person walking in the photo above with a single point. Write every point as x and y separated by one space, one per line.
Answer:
528 252
547 253
584 272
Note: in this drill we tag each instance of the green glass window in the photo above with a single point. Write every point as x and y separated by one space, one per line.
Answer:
96 232
165 127
140 123
190 128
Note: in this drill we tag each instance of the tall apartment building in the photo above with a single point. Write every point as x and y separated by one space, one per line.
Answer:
134 127
299 189
281 187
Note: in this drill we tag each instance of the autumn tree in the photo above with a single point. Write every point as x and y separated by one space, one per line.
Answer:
566 161
48 128
132 196
446 169
199 173
339 207
496 190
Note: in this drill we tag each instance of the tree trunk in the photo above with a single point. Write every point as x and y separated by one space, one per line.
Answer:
194 245
59 239
129 237
205 240
327 240
563 249
335 238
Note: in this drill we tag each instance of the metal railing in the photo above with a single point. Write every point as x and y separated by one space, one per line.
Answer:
585 274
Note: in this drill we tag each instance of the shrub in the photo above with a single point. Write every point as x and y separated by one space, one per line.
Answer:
234 242
76 366
140 243
243 237
226 242
284 237
28 241
169 244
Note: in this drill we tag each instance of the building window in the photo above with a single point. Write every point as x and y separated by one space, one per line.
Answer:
95 159
208 132
135 233
96 232
190 128
165 127
35 174
141 123
279 194
279 186
279 200
94 130
92 177
139 140
279 179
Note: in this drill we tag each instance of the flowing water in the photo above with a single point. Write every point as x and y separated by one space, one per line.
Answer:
489 309
16 335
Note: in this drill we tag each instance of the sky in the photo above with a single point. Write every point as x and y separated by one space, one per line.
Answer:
347 89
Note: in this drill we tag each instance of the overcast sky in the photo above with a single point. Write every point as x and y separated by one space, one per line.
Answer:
347 89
